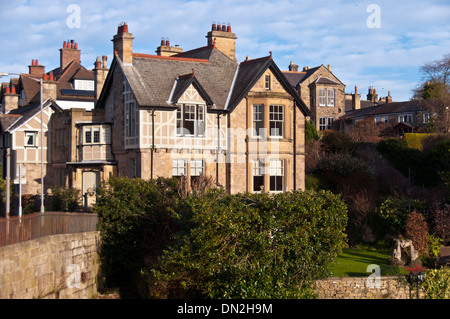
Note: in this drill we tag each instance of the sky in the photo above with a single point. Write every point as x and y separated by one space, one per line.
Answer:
375 43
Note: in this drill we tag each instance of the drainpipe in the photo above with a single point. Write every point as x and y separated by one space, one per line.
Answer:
153 143
295 145
218 148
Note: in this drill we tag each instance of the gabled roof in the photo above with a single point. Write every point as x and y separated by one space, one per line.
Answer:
183 82
23 114
250 72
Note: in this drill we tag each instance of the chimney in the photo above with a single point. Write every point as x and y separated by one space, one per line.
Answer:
123 44
36 69
356 100
100 74
166 50
293 67
389 97
329 67
49 87
68 53
223 39
10 99
372 95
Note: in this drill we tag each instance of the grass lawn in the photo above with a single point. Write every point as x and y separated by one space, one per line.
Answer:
353 262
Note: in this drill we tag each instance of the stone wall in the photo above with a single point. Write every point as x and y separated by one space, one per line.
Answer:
388 287
59 266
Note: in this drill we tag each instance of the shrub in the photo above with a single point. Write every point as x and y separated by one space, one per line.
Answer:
341 164
417 231
252 245
337 142
437 283
394 211
65 199
136 222
415 140
311 131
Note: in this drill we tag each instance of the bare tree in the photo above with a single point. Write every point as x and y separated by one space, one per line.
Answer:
434 94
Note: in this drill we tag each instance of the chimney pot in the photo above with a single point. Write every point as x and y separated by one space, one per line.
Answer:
45 77
75 46
163 42
356 89
7 90
329 67
104 58
125 28
224 27
36 62
229 28
167 43
214 26
51 78
64 44
13 89
32 62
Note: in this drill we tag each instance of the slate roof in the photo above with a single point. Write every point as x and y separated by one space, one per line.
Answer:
382 109
220 80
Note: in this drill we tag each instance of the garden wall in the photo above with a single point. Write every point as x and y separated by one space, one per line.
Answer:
388 287
59 266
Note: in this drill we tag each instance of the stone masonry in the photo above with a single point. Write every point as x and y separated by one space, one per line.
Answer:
53 267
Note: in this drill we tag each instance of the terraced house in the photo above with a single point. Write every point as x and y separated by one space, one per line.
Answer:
201 112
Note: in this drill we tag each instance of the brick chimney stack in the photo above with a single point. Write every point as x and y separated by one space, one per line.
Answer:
36 69
223 39
10 99
165 49
123 44
68 53
293 67
356 100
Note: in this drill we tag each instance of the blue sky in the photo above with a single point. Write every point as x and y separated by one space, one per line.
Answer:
382 48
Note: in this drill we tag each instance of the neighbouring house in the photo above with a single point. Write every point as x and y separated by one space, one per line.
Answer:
321 91
405 117
200 111
65 89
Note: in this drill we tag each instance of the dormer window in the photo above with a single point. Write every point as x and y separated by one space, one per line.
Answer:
85 85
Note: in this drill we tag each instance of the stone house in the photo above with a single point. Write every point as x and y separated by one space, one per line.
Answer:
321 91
199 112
62 90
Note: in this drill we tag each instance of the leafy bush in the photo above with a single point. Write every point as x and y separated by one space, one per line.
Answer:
65 199
337 142
136 222
341 164
415 140
437 283
311 131
394 211
252 245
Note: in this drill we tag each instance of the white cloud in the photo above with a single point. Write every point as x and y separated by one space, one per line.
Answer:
307 32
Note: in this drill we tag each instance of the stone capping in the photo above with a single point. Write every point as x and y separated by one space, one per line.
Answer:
389 287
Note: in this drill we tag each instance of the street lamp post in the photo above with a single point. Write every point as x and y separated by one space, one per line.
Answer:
417 279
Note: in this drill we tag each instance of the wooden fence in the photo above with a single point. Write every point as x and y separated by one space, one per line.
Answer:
14 229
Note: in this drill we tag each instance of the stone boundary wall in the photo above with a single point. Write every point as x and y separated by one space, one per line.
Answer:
62 266
388 287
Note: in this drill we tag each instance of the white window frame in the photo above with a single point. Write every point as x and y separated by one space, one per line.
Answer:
179 167
258 169
276 115
277 170
33 135
198 118
84 85
197 167
406 118
258 120
322 97
330 97
267 82
322 123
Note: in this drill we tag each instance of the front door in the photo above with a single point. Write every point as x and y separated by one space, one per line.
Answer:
90 182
